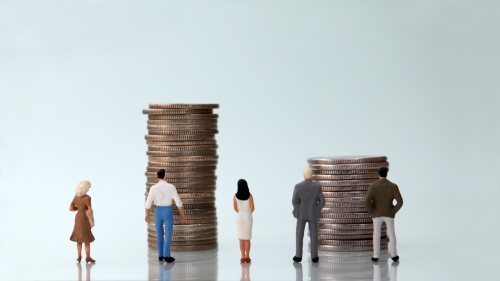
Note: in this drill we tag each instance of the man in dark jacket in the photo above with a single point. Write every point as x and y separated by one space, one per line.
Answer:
378 201
307 203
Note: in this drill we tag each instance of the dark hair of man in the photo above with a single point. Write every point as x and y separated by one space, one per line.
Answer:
161 173
382 171
243 191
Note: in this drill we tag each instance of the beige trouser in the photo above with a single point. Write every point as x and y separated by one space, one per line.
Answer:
377 226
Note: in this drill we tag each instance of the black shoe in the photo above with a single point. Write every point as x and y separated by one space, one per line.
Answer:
396 258
160 258
374 259
169 259
316 259
295 259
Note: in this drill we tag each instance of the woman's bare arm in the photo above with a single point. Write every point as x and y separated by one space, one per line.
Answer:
235 204
252 206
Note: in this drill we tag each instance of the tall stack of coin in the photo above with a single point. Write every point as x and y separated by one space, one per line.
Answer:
181 140
345 224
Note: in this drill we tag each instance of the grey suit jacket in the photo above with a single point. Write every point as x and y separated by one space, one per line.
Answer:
305 200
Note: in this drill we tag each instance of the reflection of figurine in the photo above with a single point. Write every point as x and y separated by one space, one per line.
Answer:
307 203
377 276
378 201
299 275
81 231
245 272
162 194
88 267
243 205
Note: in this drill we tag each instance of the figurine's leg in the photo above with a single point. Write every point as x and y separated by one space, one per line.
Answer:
159 231
377 225
247 248
169 226
313 229
79 248
391 232
87 249
242 248
299 236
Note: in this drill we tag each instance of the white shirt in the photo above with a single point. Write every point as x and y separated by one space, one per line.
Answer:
162 194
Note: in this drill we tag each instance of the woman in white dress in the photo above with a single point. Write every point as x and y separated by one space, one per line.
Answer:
243 205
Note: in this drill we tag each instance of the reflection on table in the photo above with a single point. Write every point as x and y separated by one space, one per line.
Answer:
353 266
245 271
88 267
196 265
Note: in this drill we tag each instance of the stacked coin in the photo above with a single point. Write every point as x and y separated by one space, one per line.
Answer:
345 224
181 140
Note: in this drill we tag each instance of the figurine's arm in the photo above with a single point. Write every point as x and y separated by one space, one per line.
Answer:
178 203
148 204
235 204
321 199
295 198
89 206
399 199
368 200
252 207
73 207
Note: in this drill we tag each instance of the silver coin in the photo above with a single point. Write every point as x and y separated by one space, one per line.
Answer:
183 105
345 188
195 232
192 190
183 175
349 166
344 205
176 111
344 199
348 248
185 180
188 248
369 254
183 116
345 182
345 172
164 165
196 195
183 148
183 159
344 194
191 211
346 237
182 122
188 238
187 201
187 184
183 133
345 215
181 143
182 127
346 159
327 231
346 226
206 205
345 177
368 242
185 227
195 169
344 210
342 221
189 217
178 138
194 242
181 153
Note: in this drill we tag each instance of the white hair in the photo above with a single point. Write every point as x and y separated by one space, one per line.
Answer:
82 188
307 172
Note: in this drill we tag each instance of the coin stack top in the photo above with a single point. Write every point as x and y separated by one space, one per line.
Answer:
181 140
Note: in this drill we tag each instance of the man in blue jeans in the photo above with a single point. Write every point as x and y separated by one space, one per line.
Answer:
162 194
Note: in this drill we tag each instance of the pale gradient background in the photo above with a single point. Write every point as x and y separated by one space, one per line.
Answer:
417 81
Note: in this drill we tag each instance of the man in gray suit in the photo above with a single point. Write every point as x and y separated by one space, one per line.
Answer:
307 203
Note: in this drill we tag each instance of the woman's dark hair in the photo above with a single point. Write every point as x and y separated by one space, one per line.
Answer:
161 173
243 191
382 171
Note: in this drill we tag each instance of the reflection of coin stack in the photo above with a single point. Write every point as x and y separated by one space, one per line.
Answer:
345 224
181 140
349 266
199 265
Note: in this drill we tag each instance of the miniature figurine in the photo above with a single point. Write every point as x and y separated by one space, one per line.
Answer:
378 201
307 203
243 205
82 232
162 194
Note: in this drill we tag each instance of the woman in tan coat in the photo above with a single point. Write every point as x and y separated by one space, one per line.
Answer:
82 231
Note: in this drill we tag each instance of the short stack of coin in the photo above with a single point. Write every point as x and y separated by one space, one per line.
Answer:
181 140
345 224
